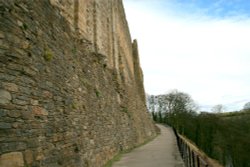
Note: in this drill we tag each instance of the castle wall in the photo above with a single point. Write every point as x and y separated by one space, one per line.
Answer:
71 87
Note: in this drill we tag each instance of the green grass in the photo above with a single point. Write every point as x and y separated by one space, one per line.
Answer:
113 160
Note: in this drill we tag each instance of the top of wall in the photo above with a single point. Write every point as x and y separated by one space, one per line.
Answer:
104 24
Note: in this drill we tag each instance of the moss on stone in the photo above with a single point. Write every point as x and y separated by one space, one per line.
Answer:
98 93
48 55
125 109
25 26
74 50
74 106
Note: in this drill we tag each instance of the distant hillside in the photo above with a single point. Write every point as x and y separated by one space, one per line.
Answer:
234 114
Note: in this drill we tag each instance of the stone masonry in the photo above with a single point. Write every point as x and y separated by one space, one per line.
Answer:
71 86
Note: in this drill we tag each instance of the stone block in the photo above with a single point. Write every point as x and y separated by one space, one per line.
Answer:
14 113
15 125
25 44
5 97
26 115
36 110
3 112
47 94
12 146
1 35
39 156
34 102
20 102
7 77
4 125
28 155
33 143
29 71
10 87
13 159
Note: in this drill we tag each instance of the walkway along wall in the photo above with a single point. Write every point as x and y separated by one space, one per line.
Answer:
71 87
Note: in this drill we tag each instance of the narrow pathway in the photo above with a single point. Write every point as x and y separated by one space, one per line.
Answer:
161 152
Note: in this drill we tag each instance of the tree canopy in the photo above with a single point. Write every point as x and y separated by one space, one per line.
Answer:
246 106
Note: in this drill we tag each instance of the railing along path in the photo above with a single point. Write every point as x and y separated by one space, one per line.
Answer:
192 156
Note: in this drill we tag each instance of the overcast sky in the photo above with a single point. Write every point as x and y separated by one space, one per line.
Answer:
201 47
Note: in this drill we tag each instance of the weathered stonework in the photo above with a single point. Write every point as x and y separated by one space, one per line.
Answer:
12 159
71 87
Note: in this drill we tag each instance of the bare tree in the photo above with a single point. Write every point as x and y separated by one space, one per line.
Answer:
218 108
246 106
179 102
171 107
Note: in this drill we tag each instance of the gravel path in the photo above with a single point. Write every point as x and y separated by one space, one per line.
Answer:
161 152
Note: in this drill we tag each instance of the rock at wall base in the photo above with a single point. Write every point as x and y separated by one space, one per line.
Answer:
13 159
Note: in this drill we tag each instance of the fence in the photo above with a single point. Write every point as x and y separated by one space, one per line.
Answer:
190 156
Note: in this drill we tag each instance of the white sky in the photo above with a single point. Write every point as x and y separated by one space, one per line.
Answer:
204 56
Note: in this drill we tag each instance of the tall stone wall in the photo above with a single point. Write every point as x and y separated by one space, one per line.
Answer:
71 87
103 23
